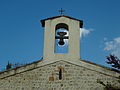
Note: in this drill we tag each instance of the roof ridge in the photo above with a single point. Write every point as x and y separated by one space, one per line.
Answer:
43 20
108 68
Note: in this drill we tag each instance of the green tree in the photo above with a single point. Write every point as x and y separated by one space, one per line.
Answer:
114 61
8 66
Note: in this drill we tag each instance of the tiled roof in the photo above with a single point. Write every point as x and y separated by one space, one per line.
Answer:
111 69
43 21
35 62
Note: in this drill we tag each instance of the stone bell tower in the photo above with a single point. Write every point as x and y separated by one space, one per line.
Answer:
68 37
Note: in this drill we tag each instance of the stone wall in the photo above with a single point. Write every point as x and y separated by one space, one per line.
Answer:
74 77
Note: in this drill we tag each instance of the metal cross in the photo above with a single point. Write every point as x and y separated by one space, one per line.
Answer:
61 37
61 11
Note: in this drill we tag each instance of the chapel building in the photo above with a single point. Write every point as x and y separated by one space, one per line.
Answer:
61 67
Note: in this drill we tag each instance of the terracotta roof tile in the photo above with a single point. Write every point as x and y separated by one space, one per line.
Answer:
43 21
111 69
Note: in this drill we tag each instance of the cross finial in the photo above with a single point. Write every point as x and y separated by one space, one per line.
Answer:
61 11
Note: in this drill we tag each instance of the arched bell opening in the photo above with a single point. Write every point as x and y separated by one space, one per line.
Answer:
61 38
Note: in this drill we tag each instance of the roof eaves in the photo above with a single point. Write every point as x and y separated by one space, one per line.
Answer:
111 69
21 66
43 20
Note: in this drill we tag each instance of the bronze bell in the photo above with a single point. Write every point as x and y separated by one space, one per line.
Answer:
61 42
61 34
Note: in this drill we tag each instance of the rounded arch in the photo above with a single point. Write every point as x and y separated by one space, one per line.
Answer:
61 38
62 25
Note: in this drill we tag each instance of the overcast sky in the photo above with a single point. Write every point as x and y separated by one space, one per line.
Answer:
21 34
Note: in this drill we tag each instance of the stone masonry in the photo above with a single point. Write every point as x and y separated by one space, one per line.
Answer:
59 71
46 77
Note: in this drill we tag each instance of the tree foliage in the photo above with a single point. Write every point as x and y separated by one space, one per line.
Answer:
114 61
9 66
